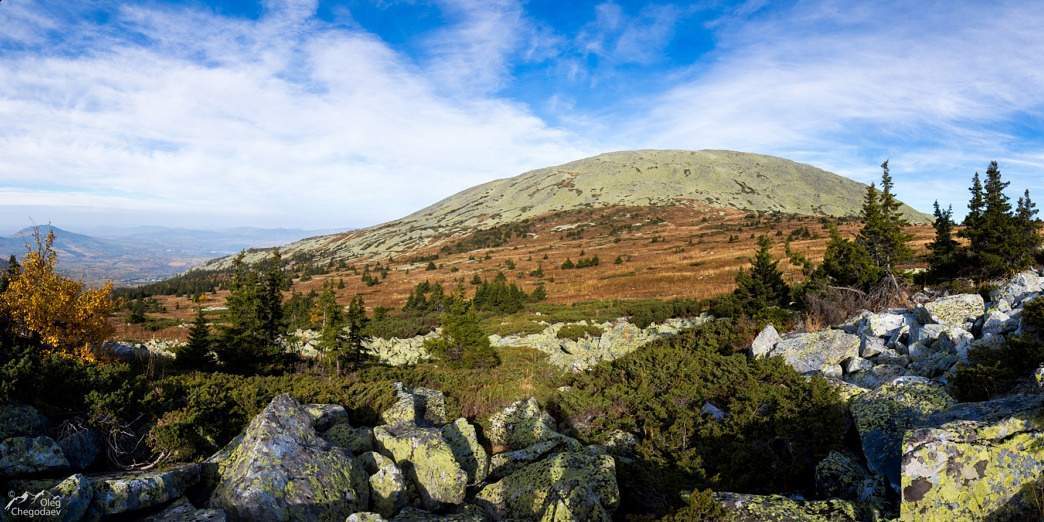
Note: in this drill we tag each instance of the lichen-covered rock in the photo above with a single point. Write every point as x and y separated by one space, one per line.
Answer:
618 339
356 440
881 325
282 470
467 513
954 310
984 462
470 454
325 416
998 323
1017 289
857 364
520 425
817 352
123 492
421 406
389 489
871 346
81 448
400 352
883 416
503 464
846 390
182 510
365 516
62 501
765 341
777 508
427 460
876 376
30 456
20 420
564 487
840 476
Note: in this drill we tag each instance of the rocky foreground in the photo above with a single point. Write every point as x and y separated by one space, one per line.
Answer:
942 459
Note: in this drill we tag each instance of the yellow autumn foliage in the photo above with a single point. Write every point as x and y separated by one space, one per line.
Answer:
62 312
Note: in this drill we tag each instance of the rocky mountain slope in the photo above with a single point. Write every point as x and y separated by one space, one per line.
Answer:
716 178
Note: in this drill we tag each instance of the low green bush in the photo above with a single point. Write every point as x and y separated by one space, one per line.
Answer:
577 331
778 424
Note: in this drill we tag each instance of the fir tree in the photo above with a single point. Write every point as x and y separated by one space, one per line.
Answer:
847 263
763 286
976 205
327 314
993 235
943 251
882 234
195 355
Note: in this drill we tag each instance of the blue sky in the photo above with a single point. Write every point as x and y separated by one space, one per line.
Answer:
300 113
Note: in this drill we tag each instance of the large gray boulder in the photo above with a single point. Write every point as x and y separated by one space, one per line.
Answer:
881 325
765 341
883 415
181 510
20 420
1017 289
428 461
818 352
324 416
63 501
30 456
508 462
282 470
520 425
468 452
81 448
421 406
954 310
389 488
565 486
118 493
356 440
977 461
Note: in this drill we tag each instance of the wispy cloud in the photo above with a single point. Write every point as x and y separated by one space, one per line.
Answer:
282 119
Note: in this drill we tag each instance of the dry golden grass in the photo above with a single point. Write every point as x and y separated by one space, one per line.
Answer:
692 256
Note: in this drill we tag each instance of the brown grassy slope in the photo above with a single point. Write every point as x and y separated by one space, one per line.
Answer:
676 251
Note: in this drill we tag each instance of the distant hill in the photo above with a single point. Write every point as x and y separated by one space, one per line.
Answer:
147 253
715 178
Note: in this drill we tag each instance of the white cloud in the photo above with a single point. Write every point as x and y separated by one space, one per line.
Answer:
283 120
845 86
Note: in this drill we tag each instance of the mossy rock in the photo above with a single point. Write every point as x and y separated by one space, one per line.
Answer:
777 508
282 470
125 492
883 415
569 486
519 426
427 459
356 440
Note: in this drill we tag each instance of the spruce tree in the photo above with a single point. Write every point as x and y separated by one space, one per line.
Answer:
847 263
195 355
1027 235
327 314
463 343
763 286
993 235
943 251
883 234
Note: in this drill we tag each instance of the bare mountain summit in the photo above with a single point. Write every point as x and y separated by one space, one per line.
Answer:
716 178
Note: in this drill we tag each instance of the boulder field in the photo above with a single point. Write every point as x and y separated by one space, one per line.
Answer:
921 455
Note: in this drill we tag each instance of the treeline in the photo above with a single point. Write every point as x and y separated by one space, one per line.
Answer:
190 284
864 272
489 238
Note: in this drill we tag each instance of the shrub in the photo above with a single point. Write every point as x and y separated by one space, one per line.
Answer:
463 344
778 424
576 331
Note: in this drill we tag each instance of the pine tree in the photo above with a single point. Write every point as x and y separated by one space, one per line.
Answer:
763 286
943 251
196 354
